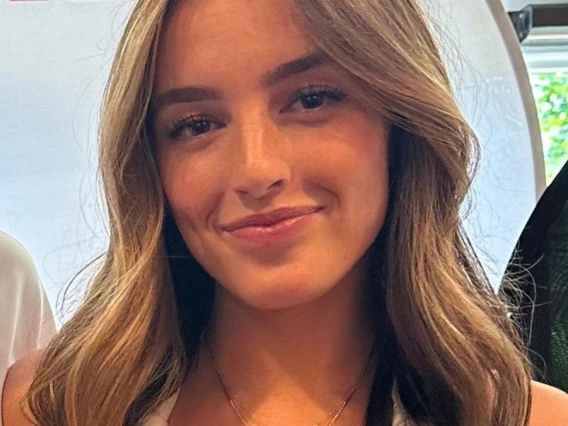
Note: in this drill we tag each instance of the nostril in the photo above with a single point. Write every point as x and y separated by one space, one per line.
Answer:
259 188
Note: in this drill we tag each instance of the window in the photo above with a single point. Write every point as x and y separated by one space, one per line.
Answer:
551 97
546 55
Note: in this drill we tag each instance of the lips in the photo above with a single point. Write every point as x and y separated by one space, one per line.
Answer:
270 219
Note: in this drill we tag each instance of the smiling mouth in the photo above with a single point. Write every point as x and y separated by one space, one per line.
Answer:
267 220
278 228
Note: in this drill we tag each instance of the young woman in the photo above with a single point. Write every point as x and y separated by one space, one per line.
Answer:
283 180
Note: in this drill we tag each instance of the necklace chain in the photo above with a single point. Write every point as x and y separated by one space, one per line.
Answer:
334 415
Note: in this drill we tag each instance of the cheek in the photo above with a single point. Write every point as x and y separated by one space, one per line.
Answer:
352 161
189 186
352 169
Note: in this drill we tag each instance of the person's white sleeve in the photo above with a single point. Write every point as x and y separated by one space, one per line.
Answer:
26 319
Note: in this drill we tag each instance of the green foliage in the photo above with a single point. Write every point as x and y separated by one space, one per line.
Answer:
551 96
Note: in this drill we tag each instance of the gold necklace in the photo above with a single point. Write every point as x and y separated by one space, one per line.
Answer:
334 415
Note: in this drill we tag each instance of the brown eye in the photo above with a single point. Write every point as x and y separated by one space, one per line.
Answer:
315 97
190 127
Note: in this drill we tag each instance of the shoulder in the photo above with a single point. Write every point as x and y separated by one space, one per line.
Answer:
26 320
18 269
18 381
549 406
14 254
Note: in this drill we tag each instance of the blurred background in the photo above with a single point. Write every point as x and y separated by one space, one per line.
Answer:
508 62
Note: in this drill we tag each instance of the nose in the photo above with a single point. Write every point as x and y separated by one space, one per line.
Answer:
262 164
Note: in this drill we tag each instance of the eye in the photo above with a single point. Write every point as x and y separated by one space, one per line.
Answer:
314 97
310 98
190 127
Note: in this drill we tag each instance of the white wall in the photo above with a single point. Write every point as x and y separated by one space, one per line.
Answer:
492 86
54 59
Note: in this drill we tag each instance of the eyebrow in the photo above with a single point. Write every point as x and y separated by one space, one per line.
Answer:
282 72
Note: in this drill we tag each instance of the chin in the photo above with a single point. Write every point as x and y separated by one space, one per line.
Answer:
272 294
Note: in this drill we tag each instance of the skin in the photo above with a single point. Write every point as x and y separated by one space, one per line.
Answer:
288 332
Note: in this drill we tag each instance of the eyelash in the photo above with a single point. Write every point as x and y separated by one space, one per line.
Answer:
332 93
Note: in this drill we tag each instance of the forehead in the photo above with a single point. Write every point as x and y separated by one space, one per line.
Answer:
209 39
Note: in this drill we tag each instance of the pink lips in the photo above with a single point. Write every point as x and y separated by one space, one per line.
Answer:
277 227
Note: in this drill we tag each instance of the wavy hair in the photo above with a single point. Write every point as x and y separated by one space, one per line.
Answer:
449 352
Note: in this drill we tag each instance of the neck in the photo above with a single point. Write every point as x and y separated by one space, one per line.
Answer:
310 356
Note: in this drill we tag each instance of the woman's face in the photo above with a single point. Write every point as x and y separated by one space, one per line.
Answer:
251 120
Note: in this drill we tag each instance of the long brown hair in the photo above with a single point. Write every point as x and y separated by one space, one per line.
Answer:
449 351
